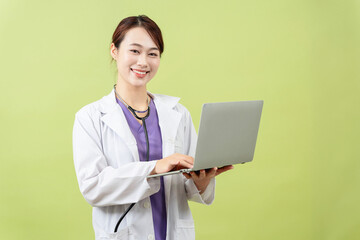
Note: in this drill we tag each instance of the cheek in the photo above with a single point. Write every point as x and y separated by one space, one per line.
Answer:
127 60
155 65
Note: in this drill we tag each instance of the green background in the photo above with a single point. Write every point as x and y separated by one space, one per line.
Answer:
302 57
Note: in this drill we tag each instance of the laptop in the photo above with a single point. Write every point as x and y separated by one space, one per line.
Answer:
227 135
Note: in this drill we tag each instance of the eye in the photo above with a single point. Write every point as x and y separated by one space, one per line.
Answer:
153 54
134 51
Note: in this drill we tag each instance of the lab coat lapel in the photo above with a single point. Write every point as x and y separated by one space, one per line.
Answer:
114 118
169 120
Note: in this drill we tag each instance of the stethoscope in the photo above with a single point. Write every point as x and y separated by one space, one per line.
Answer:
147 144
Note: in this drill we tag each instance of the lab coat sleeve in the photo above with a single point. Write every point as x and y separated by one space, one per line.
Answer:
207 197
100 184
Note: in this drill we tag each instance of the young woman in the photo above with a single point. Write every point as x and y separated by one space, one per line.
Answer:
130 134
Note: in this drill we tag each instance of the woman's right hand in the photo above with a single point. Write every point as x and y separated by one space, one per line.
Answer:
175 161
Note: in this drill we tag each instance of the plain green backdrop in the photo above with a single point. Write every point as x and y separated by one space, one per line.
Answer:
302 57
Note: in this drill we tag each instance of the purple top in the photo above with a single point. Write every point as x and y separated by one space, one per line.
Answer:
155 153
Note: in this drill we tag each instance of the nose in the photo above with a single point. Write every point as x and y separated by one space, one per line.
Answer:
141 61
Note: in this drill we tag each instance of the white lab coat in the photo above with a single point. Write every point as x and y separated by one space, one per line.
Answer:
111 177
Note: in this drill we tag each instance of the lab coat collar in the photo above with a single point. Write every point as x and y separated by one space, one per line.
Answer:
109 104
169 119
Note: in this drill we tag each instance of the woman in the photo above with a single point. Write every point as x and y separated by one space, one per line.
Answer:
129 134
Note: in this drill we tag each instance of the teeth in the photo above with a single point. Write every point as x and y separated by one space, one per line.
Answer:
139 72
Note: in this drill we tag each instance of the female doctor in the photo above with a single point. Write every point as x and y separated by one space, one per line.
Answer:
131 133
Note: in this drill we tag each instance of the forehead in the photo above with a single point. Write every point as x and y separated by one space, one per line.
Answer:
140 36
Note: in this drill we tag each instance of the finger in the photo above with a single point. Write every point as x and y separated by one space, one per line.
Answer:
188 176
179 164
194 175
173 162
185 164
187 159
202 174
182 160
224 169
212 172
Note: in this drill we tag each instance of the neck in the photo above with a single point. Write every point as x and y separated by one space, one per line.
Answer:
136 97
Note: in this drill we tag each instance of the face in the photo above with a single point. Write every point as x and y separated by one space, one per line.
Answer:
137 58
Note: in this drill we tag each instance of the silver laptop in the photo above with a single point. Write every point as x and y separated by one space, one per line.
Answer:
227 135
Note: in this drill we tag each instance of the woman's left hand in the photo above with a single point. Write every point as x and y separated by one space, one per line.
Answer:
202 179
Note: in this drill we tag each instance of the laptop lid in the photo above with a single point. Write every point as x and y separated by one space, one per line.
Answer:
227 133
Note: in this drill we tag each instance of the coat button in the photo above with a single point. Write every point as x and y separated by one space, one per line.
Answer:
151 237
146 204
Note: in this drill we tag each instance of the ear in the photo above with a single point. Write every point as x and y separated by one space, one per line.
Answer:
113 51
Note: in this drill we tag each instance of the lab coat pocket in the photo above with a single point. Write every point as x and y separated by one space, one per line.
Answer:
185 230
122 234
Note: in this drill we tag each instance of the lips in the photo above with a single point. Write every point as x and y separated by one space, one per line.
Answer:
139 73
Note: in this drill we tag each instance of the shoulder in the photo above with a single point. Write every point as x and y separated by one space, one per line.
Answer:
170 101
89 111
89 108
97 108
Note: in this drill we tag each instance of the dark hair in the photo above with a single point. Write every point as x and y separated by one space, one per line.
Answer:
138 21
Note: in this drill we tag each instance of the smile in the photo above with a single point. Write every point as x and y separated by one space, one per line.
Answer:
139 72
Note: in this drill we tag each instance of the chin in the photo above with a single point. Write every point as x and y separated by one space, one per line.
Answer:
139 83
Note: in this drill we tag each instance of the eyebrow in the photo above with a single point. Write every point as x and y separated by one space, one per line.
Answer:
139 45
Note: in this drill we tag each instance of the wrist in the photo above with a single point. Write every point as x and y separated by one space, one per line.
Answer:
153 171
201 187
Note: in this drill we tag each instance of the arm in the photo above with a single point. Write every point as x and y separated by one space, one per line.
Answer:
101 184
